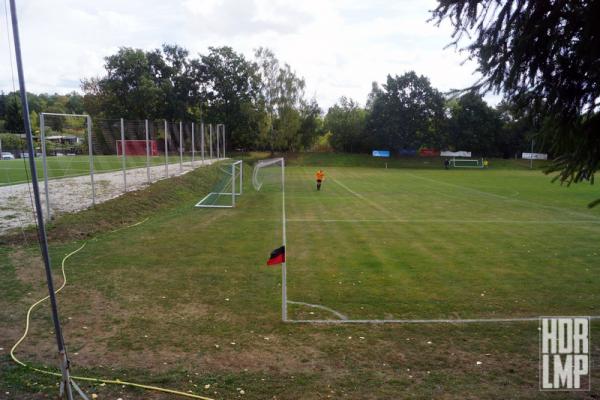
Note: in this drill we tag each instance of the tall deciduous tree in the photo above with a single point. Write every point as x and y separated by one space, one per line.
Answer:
474 126
346 121
407 112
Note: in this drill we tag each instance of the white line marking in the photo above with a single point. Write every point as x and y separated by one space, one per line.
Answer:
417 321
451 221
506 198
337 314
360 196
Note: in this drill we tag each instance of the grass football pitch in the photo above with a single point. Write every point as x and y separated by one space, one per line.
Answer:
17 171
185 299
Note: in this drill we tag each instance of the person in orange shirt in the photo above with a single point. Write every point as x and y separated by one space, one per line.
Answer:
320 178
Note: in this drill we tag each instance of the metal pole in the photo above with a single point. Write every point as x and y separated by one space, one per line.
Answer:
193 146
283 265
531 156
44 164
147 152
224 147
123 160
233 185
241 177
91 153
202 141
218 153
64 362
210 140
166 151
180 146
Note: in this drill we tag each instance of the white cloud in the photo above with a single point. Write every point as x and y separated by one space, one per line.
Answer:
339 46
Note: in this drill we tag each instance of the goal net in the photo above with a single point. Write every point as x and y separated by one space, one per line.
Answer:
466 163
227 188
268 172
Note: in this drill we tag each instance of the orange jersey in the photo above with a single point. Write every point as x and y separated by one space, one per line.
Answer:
320 175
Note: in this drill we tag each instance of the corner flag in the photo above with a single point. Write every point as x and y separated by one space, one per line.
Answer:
277 256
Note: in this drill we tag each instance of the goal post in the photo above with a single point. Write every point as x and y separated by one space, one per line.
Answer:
466 163
228 187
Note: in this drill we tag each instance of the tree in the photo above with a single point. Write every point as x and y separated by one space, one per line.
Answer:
474 126
230 84
544 51
407 112
283 94
311 123
128 90
347 121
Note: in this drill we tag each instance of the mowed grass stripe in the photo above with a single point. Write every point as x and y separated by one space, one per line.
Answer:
443 269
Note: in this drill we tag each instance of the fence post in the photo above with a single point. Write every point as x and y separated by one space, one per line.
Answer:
210 140
180 147
202 141
218 149
123 160
44 164
147 152
91 152
166 151
193 149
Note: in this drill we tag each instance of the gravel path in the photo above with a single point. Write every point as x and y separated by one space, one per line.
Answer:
75 193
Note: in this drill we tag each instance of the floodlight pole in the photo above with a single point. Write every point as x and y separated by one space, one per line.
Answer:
283 265
64 361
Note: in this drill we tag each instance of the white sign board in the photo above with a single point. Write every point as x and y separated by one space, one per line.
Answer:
455 154
535 156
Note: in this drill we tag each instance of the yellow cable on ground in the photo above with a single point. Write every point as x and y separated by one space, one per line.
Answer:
84 378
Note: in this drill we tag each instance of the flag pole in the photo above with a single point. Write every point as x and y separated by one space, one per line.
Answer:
283 265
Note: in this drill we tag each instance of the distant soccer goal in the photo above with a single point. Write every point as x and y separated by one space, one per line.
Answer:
137 147
228 187
466 163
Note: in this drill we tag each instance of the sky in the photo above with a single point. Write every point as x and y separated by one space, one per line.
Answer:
339 46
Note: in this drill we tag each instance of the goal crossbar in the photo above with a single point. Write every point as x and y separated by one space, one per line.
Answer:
466 163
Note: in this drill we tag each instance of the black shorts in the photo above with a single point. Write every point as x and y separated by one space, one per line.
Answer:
319 181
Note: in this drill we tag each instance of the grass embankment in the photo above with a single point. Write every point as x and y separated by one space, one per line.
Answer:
185 300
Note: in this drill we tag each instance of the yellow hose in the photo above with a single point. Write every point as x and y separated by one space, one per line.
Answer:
84 378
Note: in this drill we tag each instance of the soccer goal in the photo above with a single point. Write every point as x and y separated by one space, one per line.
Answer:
228 187
466 163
